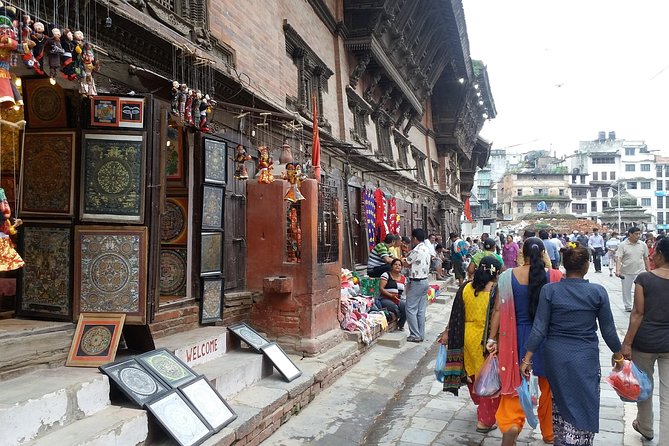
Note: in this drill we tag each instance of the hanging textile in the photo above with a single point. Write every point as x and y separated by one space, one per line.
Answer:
468 210
370 217
393 221
380 217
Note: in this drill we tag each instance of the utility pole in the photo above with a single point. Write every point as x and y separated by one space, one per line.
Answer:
619 210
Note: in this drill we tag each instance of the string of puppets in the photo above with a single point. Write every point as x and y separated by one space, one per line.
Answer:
51 53
191 106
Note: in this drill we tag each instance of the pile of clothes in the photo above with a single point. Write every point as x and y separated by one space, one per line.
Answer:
357 312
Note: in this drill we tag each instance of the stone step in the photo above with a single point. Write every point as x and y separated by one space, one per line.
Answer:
112 426
197 346
28 345
394 339
235 371
36 404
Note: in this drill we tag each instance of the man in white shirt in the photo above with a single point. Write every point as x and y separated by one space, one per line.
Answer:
611 247
418 262
596 245
631 259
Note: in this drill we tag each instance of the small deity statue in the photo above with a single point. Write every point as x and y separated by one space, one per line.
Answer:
241 157
295 177
295 237
265 163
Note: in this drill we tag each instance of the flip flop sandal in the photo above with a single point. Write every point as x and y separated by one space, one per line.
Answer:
485 430
635 426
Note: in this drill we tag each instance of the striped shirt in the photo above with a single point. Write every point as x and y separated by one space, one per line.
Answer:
377 256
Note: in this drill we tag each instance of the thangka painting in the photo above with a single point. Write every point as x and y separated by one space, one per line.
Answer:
211 253
212 207
174 221
45 104
173 272
214 161
110 271
135 382
174 157
95 340
167 367
212 300
180 419
113 178
45 284
47 180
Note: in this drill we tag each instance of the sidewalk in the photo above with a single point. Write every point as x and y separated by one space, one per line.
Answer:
392 398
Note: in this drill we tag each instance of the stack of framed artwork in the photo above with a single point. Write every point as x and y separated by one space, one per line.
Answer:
185 404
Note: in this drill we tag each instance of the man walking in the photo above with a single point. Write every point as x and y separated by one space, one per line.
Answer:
596 245
458 253
551 249
631 259
418 262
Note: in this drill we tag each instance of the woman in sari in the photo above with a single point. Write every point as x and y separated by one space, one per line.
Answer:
465 334
512 319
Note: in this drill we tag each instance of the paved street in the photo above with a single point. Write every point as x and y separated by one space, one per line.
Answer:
420 413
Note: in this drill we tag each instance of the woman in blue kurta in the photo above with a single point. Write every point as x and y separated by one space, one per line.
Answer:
567 319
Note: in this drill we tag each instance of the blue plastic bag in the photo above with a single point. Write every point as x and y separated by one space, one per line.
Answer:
534 389
440 364
487 381
526 402
630 383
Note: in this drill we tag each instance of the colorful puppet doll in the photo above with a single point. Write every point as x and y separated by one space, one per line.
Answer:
8 44
55 52
295 177
40 39
241 157
265 163
9 258
67 61
90 65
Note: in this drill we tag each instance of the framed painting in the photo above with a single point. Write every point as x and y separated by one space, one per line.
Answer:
163 364
174 221
211 405
47 179
173 271
214 161
45 104
212 300
212 207
45 285
281 361
131 113
175 167
179 419
134 381
110 271
105 111
247 334
211 255
95 339
113 178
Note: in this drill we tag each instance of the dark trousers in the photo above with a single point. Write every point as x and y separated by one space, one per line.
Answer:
378 270
597 258
397 310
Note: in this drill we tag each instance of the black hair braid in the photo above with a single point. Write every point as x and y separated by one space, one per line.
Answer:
534 248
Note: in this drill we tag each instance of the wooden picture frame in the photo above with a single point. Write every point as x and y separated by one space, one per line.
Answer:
105 111
45 104
95 339
131 113
47 176
173 271
110 271
211 405
211 309
213 198
250 337
215 161
174 221
44 286
180 419
175 159
136 383
113 177
211 253
167 367
281 361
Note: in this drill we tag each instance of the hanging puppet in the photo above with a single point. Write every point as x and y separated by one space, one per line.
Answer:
87 65
188 109
181 100
196 97
295 177
55 52
39 38
27 44
8 44
67 61
241 157
9 258
265 163
175 97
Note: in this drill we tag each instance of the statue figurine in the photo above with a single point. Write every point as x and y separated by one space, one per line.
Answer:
9 258
265 163
295 177
241 157
295 237
55 51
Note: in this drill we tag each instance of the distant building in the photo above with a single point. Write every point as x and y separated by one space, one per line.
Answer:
662 192
537 190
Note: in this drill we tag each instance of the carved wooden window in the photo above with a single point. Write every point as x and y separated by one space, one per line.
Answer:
328 223
419 159
383 138
359 131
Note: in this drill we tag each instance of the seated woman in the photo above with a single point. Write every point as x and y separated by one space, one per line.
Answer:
391 287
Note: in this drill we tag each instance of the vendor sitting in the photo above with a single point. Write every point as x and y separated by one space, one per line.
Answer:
391 288
380 257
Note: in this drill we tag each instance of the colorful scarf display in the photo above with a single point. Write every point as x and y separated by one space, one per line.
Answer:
370 217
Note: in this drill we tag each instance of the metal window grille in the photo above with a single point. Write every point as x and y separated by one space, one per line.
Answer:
328 223
293 232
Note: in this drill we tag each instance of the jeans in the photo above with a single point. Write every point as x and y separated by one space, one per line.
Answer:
646 363
597 258
416 294
628 285
397 310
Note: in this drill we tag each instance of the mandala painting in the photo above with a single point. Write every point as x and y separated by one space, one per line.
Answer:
134 381
212 207
249 336
46 288
212 253
214 161
45 104
95 340
167 367
173 271
179 419
173 221
110 271
212 300
209 403
47 180
113 180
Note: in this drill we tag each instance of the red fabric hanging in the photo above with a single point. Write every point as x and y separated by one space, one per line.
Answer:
468 210
381 230
393 224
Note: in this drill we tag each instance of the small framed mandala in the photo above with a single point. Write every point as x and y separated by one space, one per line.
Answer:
281 361
95 339
180 419
211 405
167 367
134 381
247 334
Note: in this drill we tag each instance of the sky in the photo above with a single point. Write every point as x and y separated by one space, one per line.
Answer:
561 71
